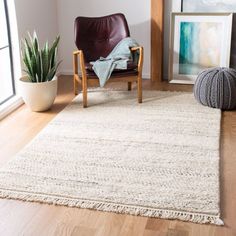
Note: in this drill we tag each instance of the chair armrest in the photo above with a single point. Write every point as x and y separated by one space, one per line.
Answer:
136 48
77 52
140 61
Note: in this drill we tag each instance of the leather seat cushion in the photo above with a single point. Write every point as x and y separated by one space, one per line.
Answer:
115 74
131 70
130 66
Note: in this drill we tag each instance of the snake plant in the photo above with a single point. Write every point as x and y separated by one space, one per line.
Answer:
40 63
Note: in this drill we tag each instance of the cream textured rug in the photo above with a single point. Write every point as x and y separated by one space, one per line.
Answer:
156 159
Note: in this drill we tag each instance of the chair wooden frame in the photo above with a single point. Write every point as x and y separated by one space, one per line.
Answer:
78 57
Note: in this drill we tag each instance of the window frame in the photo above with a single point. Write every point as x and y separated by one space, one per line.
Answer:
9 46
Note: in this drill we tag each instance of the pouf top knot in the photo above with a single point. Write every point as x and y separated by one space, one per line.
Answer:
216 87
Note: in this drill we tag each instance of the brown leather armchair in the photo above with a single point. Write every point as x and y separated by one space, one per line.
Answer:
96 37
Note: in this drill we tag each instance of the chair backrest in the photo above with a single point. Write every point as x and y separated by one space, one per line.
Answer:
97 36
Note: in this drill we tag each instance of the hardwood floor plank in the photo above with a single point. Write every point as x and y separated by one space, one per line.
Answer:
157 224
148 232
133 226
109 224
20 213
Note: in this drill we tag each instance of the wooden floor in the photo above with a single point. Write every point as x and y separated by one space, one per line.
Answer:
23 218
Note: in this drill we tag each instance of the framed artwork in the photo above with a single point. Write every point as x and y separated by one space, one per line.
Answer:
209 6
215 6
198 41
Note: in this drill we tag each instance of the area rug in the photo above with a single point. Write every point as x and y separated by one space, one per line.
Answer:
156 159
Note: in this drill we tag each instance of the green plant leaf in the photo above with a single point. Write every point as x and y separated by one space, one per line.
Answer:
40 64
53 52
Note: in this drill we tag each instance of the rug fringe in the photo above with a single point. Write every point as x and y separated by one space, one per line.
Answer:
113 207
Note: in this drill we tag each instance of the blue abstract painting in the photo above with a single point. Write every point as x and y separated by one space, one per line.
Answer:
199 46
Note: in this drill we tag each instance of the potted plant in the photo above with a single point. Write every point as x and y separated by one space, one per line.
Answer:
39 86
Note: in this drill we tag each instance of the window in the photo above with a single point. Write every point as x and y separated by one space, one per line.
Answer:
7 86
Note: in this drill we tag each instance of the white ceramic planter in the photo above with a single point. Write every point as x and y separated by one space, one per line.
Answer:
38 96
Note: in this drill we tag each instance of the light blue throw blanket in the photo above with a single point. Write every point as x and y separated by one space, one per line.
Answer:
117 59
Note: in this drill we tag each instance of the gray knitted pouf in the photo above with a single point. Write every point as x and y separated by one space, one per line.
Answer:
216 87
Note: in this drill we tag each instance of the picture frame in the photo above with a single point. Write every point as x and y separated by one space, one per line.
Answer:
211 6
196 44
208 6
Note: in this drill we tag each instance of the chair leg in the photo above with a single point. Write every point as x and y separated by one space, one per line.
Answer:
129 86
140 99
84 87
76 86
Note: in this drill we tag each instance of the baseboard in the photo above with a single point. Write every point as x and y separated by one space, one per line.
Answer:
10 106
70 72
165 77
65 72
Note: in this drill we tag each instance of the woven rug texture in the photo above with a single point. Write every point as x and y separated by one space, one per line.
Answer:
156 159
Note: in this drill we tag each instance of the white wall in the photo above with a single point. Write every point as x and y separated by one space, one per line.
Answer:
137 13
27 16
39 15
52 17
